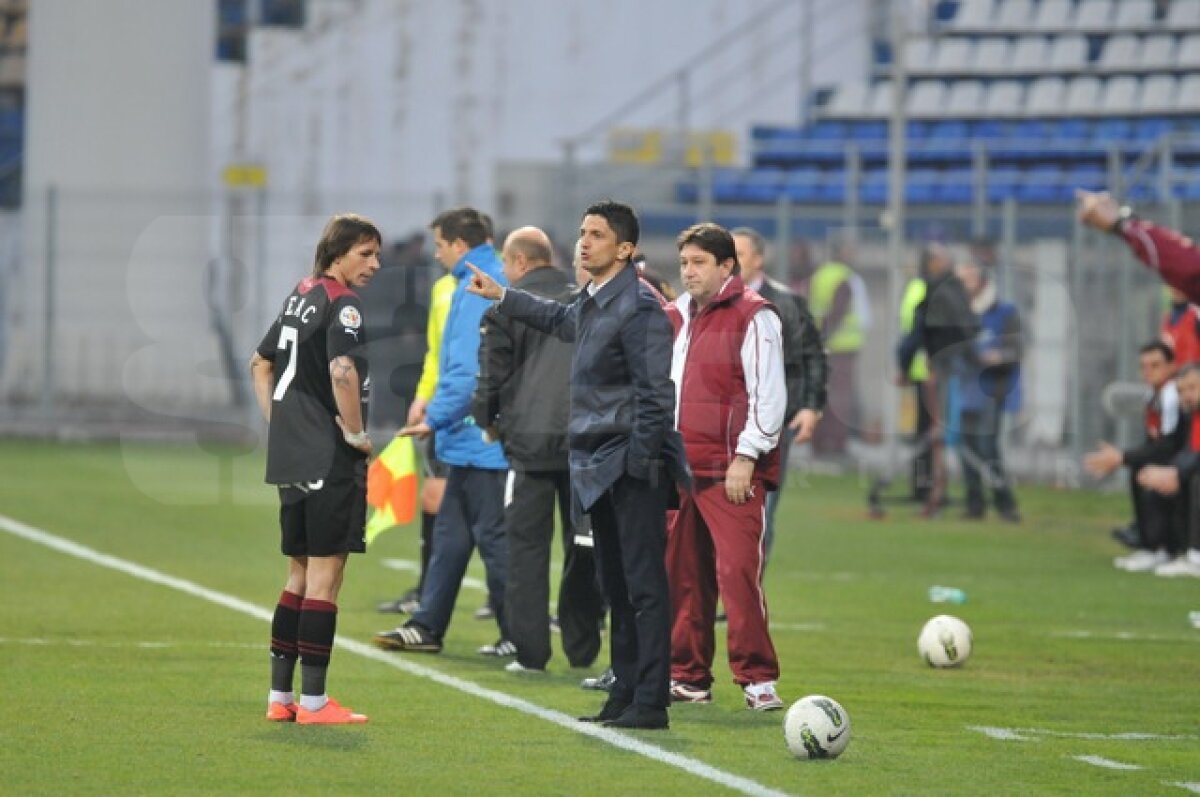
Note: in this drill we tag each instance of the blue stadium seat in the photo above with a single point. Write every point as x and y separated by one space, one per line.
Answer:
1042 184
686 191
727 185
803 185
920 187
874 187
1002 183
1090 178
956 186
762 185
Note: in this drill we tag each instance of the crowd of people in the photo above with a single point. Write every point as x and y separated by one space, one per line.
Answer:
658 426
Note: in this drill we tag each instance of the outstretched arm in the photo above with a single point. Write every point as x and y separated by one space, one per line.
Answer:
544 315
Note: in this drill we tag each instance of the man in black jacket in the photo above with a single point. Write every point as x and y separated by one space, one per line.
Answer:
522 398
805 366
945 326
625 456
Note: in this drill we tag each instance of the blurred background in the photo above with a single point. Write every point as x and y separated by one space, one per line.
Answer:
166 168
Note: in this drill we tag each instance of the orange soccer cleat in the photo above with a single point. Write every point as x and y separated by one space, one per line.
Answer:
282 712
332 713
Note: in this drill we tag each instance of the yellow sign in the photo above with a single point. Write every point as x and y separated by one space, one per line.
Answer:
714 147
245 175
656 145
627 145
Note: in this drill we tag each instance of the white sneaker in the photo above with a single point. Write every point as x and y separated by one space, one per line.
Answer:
762 697
1182 566
518 667
1141 561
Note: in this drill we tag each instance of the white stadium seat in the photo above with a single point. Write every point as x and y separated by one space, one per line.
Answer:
1188 56
1158 52
1068 52
1094 15
1188 98
1045 97
1134 14
1004 98
1122 51
1054 15
1083 96
925 98
953 55
965 98
1120 95
1158 94
973 14
1184 14
921 55
992 55
849 100
1013 15
881 99
1029 54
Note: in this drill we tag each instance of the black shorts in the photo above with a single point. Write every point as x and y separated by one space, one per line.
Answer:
434 467
324 518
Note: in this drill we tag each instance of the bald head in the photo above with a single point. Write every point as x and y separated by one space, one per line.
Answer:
524 250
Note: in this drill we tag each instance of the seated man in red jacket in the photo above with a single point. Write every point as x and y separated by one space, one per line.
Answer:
727 366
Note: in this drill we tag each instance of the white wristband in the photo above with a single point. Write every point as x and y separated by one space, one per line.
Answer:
356 439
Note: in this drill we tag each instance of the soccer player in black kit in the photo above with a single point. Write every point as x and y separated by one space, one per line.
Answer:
310 379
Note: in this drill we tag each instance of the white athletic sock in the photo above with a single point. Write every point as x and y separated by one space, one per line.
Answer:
282 697
313 702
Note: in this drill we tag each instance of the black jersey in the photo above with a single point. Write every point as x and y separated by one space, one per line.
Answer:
321 319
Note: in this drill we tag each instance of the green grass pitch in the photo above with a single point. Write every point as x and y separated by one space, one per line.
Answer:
115 685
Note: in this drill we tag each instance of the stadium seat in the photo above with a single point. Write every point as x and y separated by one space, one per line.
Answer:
1004 98
1045 97
954 55
973 14
992 55
1041 184
925 98
1188 98
1188 56
1029 54
1134 14
920 186
955 186
922 54
1013 15
1158 94
1158 52
874 187
727 184
1121 52
1002 183
965 98
1184 14
1094 15
762 185
1120 95
1053 15
1109 131
850 100
881 99
1147 131
1083 95
1068 53
1089 178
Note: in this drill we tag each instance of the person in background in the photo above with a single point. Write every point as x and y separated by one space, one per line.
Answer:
987 392
1155 515
311 382
805 365
836 298
921 468
1181 328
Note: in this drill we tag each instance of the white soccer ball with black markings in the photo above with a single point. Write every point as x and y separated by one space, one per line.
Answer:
816 727
945 641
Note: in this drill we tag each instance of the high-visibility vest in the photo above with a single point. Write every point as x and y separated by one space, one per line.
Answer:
848 337
914 294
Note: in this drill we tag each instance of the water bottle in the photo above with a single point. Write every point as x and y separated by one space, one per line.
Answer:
940 594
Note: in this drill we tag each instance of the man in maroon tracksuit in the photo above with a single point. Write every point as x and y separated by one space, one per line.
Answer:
727 366
1174 256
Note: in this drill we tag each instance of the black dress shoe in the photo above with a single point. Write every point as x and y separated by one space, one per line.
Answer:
1129 536
610 711
643 717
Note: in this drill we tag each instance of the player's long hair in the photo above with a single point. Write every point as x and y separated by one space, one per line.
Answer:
343 232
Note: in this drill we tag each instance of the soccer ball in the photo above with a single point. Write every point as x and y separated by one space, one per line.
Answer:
816 727
945 641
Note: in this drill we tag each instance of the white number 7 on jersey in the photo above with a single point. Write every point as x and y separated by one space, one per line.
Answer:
287 338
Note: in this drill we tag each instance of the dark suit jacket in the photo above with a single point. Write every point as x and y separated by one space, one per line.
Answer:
804 361
622 419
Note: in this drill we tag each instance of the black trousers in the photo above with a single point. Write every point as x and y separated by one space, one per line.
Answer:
921 472
1161 519
982 461
529 521
630 527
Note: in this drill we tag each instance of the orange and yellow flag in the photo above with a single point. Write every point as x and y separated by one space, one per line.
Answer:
392 487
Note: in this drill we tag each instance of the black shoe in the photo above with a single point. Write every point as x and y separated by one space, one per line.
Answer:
602 682
411 637
501 649
973 514
407 603
611 710
643 717
1010 516
1129 536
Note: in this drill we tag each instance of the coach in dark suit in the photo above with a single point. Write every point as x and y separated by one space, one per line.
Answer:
624 453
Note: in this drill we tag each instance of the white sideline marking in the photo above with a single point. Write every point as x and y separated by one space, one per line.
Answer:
1125 636
797 626
147 644
408 566
1194 788
1107 763
1003 734
690 765
1028 734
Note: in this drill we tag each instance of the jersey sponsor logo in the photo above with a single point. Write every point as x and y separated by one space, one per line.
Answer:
351 319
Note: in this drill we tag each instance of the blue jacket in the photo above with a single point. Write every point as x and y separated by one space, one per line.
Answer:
999 334
622 418
458 440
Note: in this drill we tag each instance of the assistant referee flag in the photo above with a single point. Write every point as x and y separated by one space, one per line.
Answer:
392 487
